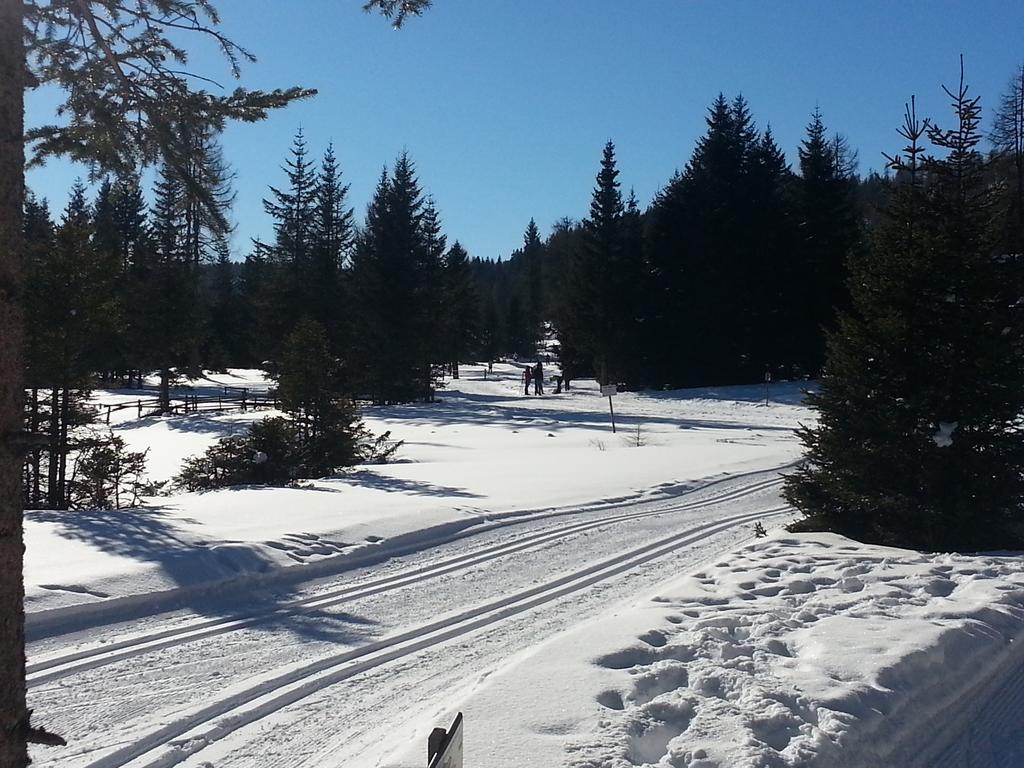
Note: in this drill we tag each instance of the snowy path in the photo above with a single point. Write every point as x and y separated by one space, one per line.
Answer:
187 689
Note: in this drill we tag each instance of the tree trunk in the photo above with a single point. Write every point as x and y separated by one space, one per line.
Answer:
13 714
62 465
165 391
34 494
54 448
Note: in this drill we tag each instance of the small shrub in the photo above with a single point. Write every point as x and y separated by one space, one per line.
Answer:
759 531
276 451
268 454
106 475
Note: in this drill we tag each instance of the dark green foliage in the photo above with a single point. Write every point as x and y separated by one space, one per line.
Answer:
331 245
460 314
106 475
69 290
604 284
532 255
268 454
825 213
116 122
396 291
312 390
919 441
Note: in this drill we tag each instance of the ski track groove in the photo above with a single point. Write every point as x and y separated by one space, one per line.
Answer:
80 661
269 696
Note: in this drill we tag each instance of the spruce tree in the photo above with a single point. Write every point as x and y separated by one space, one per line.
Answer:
700 250
533 257
293 210
331 243
395 290
1008 139
169 290
826 221
69 287
919 441
595 297
773 270
310 385
460 321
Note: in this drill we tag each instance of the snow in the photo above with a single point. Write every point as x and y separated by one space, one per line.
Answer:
483 452
798 650
587 599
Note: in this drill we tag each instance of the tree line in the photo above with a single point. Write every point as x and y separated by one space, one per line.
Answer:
735 268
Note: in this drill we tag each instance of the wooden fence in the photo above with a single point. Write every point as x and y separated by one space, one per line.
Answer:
230 399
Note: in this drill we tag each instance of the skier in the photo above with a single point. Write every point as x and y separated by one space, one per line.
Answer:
538 379
527 376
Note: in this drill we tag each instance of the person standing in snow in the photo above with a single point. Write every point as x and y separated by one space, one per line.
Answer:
527 375
538 379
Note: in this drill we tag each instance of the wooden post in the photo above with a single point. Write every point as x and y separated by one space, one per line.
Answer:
611 409
140 409
108 414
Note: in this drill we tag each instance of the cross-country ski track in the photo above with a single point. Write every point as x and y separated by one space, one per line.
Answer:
63 665
184 731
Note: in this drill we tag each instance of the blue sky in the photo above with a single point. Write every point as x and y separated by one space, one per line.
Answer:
504 105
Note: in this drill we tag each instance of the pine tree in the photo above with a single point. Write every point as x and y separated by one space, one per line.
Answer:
919 441
1008 139
69 286
293 210
826 221
461 309
169 290
595 299
331 243
310 385
700 251
395 288
533 256
772 269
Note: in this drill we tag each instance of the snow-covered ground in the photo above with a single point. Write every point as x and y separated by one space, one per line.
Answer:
587 599
798 650
482 453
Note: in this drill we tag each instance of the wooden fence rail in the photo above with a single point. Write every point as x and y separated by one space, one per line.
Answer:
197 403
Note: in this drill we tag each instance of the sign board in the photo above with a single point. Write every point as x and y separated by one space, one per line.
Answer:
448 752
607 390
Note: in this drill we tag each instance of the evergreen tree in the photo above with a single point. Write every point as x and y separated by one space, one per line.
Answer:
919 441
1008 139
225 343
310 385
776 285
826 221
169 313
39 244
393 299
331 242
121 231
701 249
69 288
533 256
595 299
290 257
461 310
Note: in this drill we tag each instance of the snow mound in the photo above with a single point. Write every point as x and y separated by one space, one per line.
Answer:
810 650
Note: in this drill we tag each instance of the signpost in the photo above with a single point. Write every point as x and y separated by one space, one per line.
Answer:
444 748
609 390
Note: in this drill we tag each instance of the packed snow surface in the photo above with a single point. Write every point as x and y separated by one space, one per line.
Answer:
484 450
587 598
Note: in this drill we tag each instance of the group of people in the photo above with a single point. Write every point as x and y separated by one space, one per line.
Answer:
533 374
